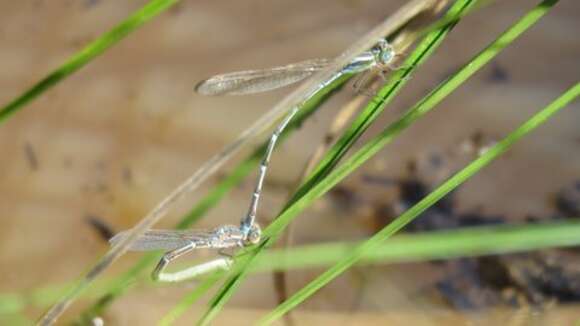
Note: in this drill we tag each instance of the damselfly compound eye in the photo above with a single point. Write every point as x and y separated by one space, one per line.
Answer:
255 235
385 53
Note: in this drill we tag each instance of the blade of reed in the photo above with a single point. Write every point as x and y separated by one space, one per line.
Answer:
371 148
87 54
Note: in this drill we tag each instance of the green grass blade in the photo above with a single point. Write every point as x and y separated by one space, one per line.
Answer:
438 245
11 303
91 51
116 288
426 246
376 144
374 242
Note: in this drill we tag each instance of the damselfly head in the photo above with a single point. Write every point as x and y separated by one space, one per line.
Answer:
254 235
384 52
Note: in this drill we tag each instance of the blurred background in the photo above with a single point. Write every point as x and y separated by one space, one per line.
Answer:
108 143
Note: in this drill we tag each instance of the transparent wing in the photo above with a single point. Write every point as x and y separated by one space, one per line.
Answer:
256 81
163 239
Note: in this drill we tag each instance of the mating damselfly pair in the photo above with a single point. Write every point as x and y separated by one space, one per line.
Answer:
380 57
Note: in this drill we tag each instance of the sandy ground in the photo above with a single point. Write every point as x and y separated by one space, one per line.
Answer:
116 137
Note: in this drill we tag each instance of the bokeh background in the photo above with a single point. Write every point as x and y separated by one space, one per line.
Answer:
111 141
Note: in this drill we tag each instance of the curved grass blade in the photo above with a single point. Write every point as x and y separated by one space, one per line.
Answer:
91 51
376 144
400 222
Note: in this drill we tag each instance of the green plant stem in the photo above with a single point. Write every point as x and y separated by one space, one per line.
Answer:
438 245
87 54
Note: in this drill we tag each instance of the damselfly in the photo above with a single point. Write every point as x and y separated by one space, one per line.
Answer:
380 56
179 243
